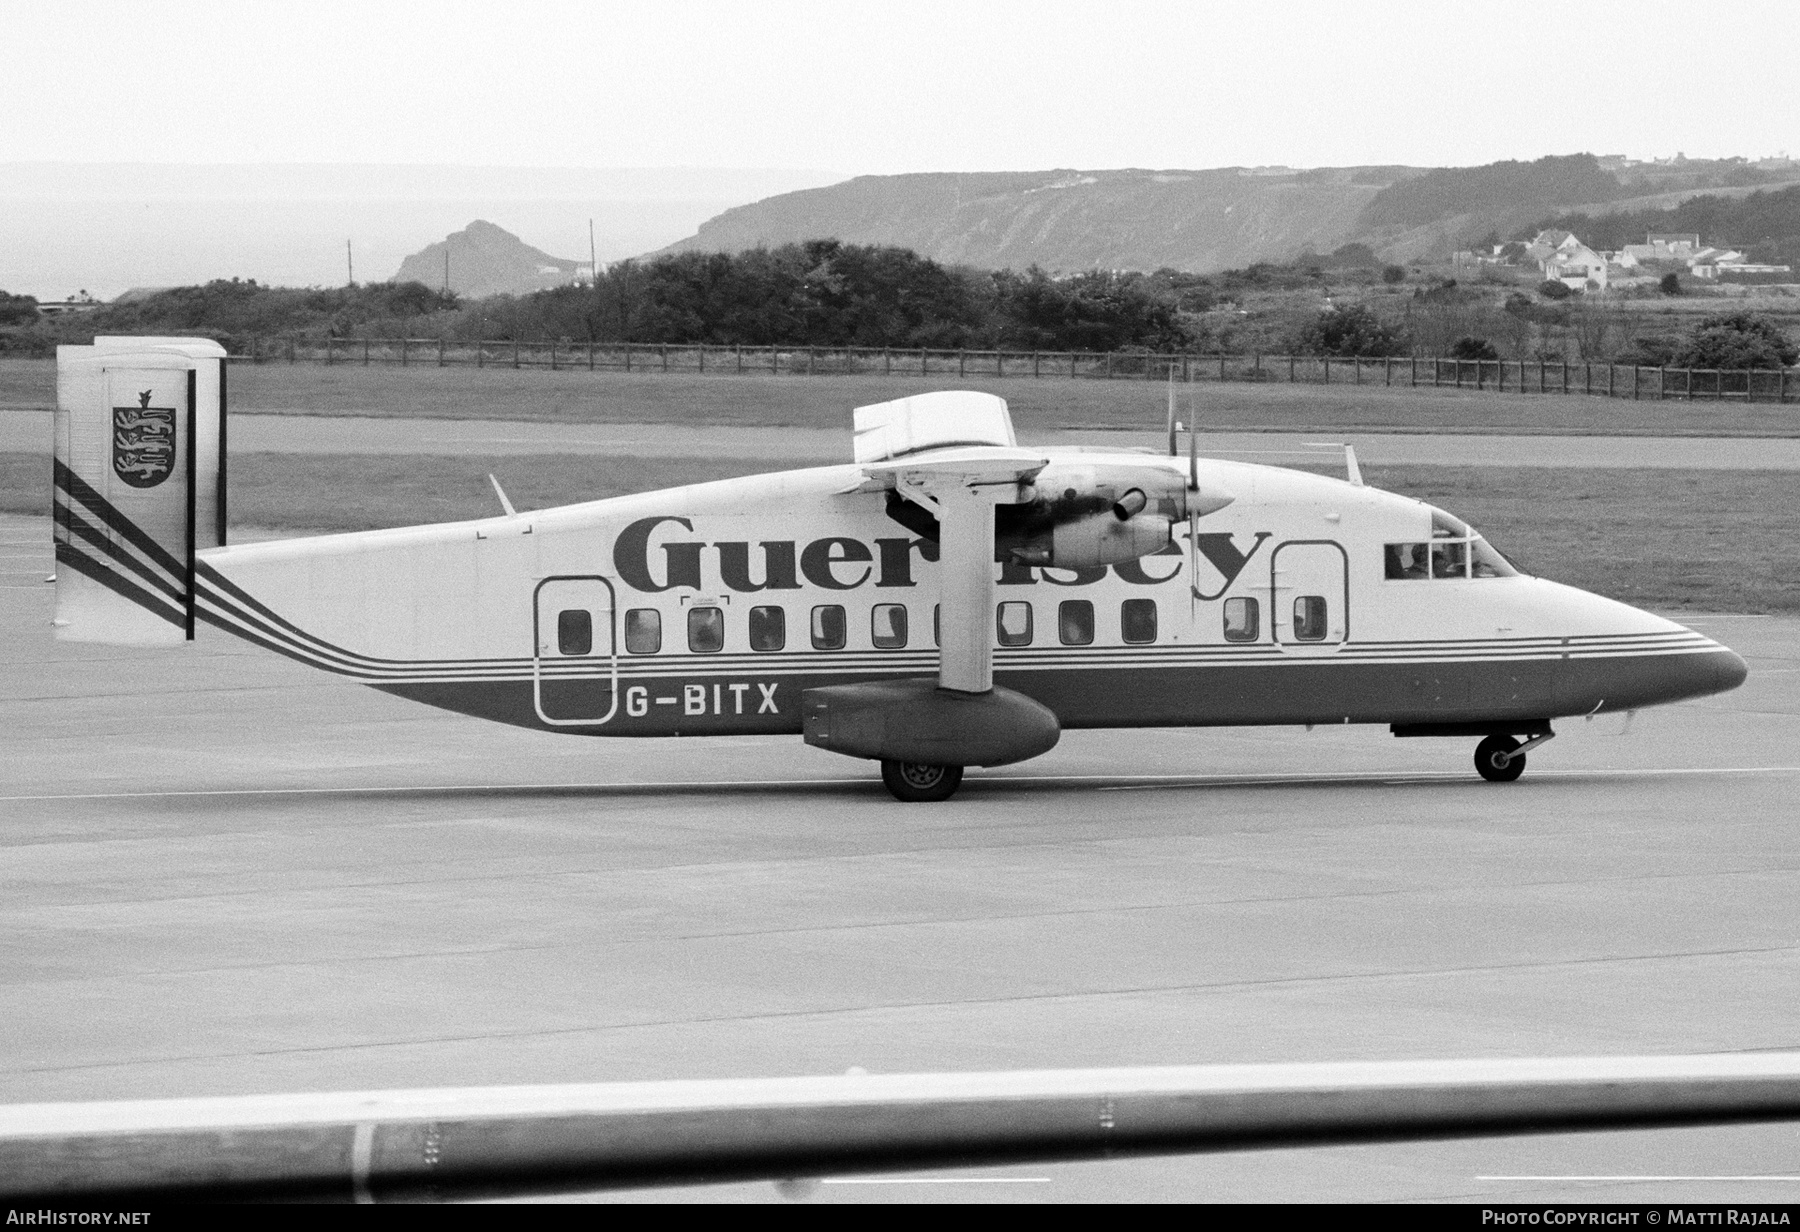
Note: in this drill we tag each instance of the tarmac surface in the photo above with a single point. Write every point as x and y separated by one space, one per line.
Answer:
30 431
224 873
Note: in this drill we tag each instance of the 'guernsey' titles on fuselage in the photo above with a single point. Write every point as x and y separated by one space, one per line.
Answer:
841 562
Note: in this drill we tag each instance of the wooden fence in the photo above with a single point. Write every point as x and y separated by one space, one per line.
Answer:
1632 381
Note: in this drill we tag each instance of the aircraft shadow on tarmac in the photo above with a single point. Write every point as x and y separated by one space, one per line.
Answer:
991 787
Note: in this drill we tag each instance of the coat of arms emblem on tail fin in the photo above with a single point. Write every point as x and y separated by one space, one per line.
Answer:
143 442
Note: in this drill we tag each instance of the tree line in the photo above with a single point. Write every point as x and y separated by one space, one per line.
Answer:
820 293
825 293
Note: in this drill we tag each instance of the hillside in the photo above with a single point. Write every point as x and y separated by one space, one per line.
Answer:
1197 221
1069 220
487 260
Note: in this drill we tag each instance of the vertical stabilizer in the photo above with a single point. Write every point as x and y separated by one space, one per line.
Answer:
139 485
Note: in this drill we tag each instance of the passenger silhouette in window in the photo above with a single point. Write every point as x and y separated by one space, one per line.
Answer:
768 628
706 630
887 626
643 630
828 627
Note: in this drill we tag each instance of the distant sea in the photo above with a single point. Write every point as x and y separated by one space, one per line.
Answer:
105 229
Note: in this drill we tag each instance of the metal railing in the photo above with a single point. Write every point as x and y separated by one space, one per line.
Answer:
474 1142
1522 376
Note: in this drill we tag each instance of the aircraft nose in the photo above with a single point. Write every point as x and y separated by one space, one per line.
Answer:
1731 670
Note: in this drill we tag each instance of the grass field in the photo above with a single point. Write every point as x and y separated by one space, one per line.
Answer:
826 401
1701 539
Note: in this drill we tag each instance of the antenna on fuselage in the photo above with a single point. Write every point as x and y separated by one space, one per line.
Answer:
501 493
1171 410
1352 471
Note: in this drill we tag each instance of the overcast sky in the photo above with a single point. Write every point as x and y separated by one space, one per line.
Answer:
890 87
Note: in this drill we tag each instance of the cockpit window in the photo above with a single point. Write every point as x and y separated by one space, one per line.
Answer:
1454 551
1450 558
1488 562
1444 526
1406 561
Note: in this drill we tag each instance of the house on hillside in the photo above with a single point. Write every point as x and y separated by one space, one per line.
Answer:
1661 248
1715 262
1544 244
1473 258
81 301
1574 264
1705 263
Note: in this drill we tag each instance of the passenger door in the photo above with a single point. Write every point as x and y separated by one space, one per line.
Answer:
574 664
1309 596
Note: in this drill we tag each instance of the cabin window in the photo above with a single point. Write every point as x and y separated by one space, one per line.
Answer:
575 631
1243 620
1075 622
828 626
1309 618
643 630
887 626
1013 621
1137 621
768 628
706 630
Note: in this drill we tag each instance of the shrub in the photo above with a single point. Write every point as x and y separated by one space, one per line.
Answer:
1670 284
1552 289
1351 256
1393 273
1468 347
17 309
1348 332
1736 340
1652 352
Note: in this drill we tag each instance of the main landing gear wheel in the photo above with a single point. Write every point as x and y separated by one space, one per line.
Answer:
919 784
1497 761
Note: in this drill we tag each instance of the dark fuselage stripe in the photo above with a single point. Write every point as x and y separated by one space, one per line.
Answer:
80 528
75 486
88 567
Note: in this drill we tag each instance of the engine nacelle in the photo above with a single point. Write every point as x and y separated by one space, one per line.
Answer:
1083 515
1098 539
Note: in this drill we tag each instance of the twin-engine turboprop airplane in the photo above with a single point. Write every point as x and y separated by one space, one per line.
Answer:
949 598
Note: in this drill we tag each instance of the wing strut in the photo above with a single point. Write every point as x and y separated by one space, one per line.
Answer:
961 487
966 589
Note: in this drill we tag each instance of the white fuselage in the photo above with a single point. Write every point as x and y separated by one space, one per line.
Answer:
707 609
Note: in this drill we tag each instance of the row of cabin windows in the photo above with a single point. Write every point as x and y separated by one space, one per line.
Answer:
829 627
888 625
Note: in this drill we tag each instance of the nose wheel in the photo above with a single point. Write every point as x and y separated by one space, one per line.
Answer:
914 783
1498 759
